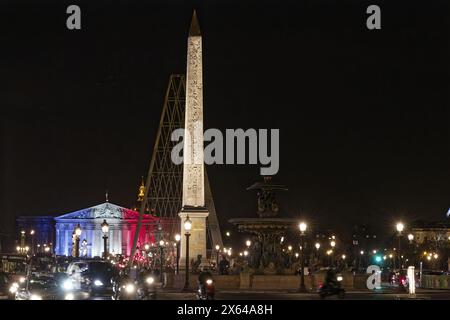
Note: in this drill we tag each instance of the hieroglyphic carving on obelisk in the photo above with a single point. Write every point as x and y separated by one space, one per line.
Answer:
193 165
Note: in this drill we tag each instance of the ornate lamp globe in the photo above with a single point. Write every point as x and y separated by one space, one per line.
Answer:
177 237
400 226
105 226
333 243
161 243
317 246
78 230
302 226
187 224
410 237
217 247
248 243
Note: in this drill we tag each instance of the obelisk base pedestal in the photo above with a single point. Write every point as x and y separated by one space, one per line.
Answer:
197 238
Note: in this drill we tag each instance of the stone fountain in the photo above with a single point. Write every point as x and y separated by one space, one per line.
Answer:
267 229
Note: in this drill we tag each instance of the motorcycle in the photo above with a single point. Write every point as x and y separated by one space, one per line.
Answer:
146 290
133 290
206 291
331 289
124 291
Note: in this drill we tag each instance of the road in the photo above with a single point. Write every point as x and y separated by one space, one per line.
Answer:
270 295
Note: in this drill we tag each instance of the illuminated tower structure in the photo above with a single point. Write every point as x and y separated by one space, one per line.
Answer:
163 191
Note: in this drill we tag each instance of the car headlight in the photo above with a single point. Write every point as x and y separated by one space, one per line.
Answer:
150 280
129 288
69 296
209 281
35 297
98 283
67 284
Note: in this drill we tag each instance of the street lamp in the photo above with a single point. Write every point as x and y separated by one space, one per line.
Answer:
161 256
83 246
248 243
32 242
410 237
317 246
177 240
22 241
302 226
187 229
105 230
333 244
217 256
76 241
400 227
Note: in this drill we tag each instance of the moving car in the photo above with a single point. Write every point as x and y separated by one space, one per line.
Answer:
43 288
93 276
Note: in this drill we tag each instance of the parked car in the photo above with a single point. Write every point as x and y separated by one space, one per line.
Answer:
4 285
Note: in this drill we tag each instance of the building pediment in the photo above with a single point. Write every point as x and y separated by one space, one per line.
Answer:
105 210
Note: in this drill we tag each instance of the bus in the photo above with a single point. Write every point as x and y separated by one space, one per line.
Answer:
15 265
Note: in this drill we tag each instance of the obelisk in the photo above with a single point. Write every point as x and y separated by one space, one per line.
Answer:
193 204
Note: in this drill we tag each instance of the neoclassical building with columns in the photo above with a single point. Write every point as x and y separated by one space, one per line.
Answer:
122 227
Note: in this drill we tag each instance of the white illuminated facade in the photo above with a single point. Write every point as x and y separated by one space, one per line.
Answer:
122 227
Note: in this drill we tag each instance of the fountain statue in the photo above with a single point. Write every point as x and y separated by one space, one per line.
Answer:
267 229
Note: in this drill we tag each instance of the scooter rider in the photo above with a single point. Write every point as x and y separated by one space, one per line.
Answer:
202 277
330 280
120 279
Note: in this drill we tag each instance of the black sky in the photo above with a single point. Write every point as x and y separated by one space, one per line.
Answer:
363 115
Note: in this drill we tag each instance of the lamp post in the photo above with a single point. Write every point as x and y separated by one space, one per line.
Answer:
32 242
412 249
217 256
302 226
400 226
105 230
161 257
83 246
22 241
76 241
177 240
333 244
317 245
187 228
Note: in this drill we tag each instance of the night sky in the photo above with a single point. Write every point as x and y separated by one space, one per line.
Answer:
363 115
